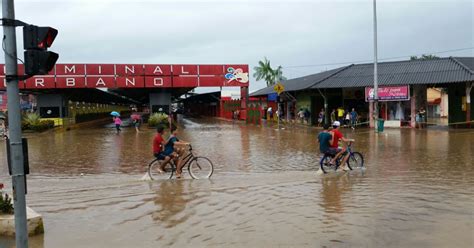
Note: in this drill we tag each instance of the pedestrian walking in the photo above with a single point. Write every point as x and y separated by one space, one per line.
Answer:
340 114
423 117
320 117
270 113
301 115
118 123
136 121
354 117
347 119
307 115
333 115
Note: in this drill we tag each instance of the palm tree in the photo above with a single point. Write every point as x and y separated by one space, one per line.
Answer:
264 71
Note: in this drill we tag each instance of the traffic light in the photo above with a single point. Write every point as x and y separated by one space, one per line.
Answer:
36 41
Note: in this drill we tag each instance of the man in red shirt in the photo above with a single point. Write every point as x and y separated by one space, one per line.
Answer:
158 145
334 148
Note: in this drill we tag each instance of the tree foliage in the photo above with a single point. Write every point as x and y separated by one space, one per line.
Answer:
267 73
424 57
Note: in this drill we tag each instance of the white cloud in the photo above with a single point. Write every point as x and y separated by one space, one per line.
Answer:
286 32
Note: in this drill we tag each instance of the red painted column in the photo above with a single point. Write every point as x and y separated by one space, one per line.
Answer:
243 102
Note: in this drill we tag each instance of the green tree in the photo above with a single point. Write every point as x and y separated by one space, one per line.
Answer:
424 57
264 71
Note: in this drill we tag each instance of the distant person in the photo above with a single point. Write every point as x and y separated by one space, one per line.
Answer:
333 115
136 121
320 117
324 139
3 129
118 123
340 115
307 115
354 117
301 115
270 113
422 117
347 120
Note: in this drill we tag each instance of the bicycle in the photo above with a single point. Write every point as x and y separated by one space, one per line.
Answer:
198 167
355 160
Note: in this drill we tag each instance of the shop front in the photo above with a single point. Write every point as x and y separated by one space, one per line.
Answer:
395 106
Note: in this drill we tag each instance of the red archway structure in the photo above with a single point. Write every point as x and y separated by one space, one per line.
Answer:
137 78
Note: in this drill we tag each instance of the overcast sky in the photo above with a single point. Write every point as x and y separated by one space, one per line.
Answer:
289 33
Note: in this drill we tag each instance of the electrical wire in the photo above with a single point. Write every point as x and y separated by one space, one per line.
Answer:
366 61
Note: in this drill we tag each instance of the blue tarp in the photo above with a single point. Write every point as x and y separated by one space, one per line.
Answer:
272 97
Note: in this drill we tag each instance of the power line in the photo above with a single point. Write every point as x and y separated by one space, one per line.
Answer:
365 61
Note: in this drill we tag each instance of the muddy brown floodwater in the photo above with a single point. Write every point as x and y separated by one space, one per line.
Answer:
417 190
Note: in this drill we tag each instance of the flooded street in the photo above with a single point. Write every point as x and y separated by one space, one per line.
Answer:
417 190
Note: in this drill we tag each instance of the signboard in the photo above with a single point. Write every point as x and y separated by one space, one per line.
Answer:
389 93
137 76
279 88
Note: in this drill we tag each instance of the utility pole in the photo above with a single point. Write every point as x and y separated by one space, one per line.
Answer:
14 125
376 83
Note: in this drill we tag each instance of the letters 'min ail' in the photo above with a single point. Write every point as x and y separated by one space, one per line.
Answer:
129 69
157 70
67 69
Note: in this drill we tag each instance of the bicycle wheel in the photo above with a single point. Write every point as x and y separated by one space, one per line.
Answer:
324 163
153 170
355 161
200 168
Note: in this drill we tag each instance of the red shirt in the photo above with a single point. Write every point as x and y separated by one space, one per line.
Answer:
337 135
157 143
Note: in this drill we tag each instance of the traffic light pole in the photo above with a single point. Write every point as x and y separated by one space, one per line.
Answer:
14 125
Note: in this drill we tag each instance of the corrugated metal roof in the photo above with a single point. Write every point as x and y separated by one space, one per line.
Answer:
466 61
436 71
300 83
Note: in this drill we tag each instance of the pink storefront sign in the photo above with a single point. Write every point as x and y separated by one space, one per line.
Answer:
388 93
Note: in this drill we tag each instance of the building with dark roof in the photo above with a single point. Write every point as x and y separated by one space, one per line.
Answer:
348 86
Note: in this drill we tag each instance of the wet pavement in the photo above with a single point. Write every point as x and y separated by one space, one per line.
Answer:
417 190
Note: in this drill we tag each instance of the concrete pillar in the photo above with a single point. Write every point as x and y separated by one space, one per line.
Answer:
160 100
244 92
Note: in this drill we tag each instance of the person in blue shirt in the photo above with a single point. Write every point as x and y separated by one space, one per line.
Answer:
354 116
174 149
324 139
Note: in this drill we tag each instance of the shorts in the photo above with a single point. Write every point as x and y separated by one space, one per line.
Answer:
333 151
136 124
160 156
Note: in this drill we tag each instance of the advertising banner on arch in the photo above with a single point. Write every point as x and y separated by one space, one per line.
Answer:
388 93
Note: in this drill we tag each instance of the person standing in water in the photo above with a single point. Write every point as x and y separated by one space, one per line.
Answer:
118 123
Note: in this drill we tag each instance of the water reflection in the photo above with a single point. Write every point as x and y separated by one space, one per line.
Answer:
416 191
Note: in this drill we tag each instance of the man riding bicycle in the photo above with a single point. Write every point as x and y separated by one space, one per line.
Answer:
158 145
174 149
334 146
